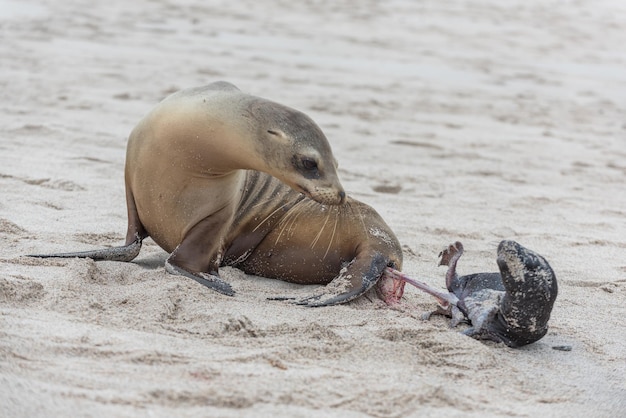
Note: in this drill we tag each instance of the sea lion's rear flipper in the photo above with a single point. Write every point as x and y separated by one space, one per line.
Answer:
124 253
353 281
450 257
135 234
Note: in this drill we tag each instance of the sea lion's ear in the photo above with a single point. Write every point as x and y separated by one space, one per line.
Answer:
277 135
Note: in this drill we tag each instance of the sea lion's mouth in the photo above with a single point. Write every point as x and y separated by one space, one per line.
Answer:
304 191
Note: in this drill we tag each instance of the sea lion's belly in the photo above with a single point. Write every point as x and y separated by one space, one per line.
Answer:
288 262
310 244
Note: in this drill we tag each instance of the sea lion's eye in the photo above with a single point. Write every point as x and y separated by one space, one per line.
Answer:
309 164
271 132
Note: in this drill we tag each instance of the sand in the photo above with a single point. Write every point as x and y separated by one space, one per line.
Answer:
473 121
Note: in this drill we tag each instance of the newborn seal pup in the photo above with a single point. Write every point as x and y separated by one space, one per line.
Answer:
217 177
512 306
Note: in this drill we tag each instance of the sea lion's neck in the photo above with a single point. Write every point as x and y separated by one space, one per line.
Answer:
264 200
205 139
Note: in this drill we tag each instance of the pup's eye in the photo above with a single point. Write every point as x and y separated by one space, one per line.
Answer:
269 131
309 164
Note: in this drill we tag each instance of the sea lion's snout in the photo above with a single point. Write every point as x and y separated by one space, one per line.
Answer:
328 196
325 193
333 194
341 197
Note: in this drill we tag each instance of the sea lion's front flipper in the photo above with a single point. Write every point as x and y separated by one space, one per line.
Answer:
124 253
196 256
353 280
209 280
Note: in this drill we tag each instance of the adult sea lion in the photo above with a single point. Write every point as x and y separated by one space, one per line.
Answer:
512 306
217 177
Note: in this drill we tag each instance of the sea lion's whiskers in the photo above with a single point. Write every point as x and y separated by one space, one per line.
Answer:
343 211
294 218
293 223
360 214
288 220
319 234
305 203
269 216
282 229
332 237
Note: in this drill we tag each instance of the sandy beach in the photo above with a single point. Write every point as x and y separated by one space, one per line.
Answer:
473 121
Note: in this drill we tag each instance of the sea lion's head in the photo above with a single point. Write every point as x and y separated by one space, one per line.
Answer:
296 151
530 291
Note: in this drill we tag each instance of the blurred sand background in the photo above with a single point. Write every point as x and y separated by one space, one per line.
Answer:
475 121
